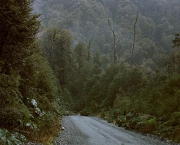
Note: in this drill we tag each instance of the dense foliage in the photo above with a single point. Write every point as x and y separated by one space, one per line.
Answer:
140 89
158 21
29 100
73 58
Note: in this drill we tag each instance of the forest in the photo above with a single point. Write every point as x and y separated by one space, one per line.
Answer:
118 60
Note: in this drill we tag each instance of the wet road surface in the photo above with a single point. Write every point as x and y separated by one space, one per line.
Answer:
81 130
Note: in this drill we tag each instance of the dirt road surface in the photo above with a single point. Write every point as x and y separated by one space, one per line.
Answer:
81 130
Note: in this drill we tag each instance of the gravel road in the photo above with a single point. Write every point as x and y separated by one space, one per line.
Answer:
81 130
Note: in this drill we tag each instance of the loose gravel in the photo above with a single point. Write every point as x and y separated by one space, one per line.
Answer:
80 130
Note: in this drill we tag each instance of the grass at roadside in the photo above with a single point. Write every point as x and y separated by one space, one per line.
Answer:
48 136
164 127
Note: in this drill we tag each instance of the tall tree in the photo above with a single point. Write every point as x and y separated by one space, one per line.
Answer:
18 28
28 89
81 54
57 48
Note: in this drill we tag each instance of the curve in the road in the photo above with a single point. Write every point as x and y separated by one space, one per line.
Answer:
81 130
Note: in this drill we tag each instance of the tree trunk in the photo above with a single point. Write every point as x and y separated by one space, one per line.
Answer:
134 39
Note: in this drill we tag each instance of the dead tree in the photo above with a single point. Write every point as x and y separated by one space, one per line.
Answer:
111 26
89 49
134 40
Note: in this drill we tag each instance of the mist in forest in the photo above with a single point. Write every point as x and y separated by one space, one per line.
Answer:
115 59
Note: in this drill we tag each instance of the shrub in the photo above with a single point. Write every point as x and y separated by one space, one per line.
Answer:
146 123
7 138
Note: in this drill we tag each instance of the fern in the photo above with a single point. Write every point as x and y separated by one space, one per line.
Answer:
6 138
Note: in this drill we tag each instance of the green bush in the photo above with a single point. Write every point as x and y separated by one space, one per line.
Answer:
7 138
146 123
121 121
171 127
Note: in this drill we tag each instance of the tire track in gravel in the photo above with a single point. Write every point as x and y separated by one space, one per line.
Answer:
81 130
